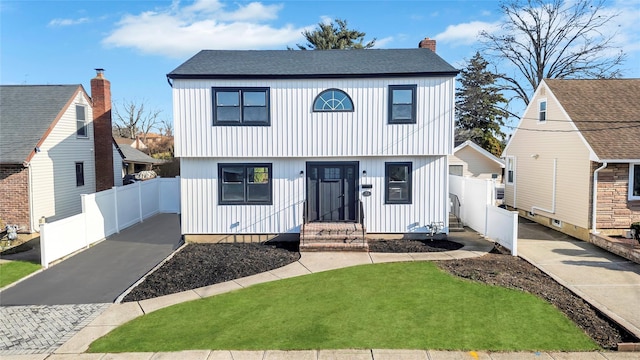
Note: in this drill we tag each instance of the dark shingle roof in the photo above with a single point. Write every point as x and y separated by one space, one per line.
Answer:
312 64
26 112
607 113
137 156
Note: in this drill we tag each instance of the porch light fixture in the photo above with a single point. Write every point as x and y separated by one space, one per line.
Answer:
535 156
301 173
364 173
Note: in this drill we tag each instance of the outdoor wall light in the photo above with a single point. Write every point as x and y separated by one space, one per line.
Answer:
301 173
535 156
364 173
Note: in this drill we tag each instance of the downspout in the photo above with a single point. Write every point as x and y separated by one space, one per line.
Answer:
594 200
553 194
35 227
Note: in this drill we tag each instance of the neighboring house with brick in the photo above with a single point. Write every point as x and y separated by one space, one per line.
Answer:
50 142
471 160
271 141
573 163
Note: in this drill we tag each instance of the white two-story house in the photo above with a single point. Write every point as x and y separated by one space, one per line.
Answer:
272 140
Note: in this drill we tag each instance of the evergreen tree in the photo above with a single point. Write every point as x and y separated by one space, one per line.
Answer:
479 117
335 35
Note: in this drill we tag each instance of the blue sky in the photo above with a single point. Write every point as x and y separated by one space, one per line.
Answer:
139 42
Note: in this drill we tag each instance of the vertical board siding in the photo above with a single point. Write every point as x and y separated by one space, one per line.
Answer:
53 172
296 131
203 215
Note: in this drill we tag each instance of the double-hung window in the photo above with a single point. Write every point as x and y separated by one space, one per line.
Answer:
241 106
397 183
79 174
542 111
244 184
634 181
510 170
81 121
402 104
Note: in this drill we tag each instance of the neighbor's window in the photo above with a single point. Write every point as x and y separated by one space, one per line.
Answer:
542 111
510 170
402 104
332 100
455 170
241 106
79 174
634 181
397 183
81 121
244 184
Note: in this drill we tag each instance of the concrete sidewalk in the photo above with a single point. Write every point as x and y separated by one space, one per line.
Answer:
607 281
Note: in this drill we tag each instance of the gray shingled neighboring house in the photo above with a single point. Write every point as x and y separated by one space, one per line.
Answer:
47 153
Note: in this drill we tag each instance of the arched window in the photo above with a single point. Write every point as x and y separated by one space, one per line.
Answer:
333 100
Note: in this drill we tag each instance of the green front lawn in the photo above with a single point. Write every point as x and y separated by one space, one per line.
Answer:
382 306
15 270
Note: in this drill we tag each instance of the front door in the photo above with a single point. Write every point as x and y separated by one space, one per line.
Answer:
332 191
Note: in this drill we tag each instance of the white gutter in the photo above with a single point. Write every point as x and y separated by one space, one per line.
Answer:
553 194
594 204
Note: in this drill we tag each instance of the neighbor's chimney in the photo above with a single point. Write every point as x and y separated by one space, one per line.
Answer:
102 137
428 44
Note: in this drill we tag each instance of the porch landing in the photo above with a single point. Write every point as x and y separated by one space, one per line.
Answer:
333 237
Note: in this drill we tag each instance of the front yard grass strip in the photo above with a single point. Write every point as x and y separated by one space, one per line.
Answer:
13 271
381 306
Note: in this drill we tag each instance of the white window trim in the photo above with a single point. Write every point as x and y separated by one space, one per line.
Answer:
512 160
546 111
631 175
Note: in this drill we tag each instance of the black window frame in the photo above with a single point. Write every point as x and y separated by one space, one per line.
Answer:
414 90
81 120
245 183
79 174
320 96
241 106
387 183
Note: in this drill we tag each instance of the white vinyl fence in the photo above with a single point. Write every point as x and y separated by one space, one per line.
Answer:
478 211
106 213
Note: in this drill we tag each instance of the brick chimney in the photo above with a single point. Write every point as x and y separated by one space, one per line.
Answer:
427 43
102 137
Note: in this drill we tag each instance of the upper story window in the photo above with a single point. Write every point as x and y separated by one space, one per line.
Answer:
634 181
333 100
81 121
542 111
402 104
241 106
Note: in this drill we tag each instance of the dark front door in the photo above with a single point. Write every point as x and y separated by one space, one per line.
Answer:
331 191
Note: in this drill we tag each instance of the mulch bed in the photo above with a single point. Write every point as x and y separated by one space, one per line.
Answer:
198 265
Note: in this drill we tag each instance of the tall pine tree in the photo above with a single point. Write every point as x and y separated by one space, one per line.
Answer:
479 117
335 35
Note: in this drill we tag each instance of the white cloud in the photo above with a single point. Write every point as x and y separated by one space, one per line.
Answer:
179 31
68 22
381 43
465 33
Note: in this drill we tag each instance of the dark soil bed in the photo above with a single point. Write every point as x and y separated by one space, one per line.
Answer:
198 265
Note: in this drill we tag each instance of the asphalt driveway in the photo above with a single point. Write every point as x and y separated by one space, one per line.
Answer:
103 272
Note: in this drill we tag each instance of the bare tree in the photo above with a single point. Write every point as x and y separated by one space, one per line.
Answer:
132 119
553 39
